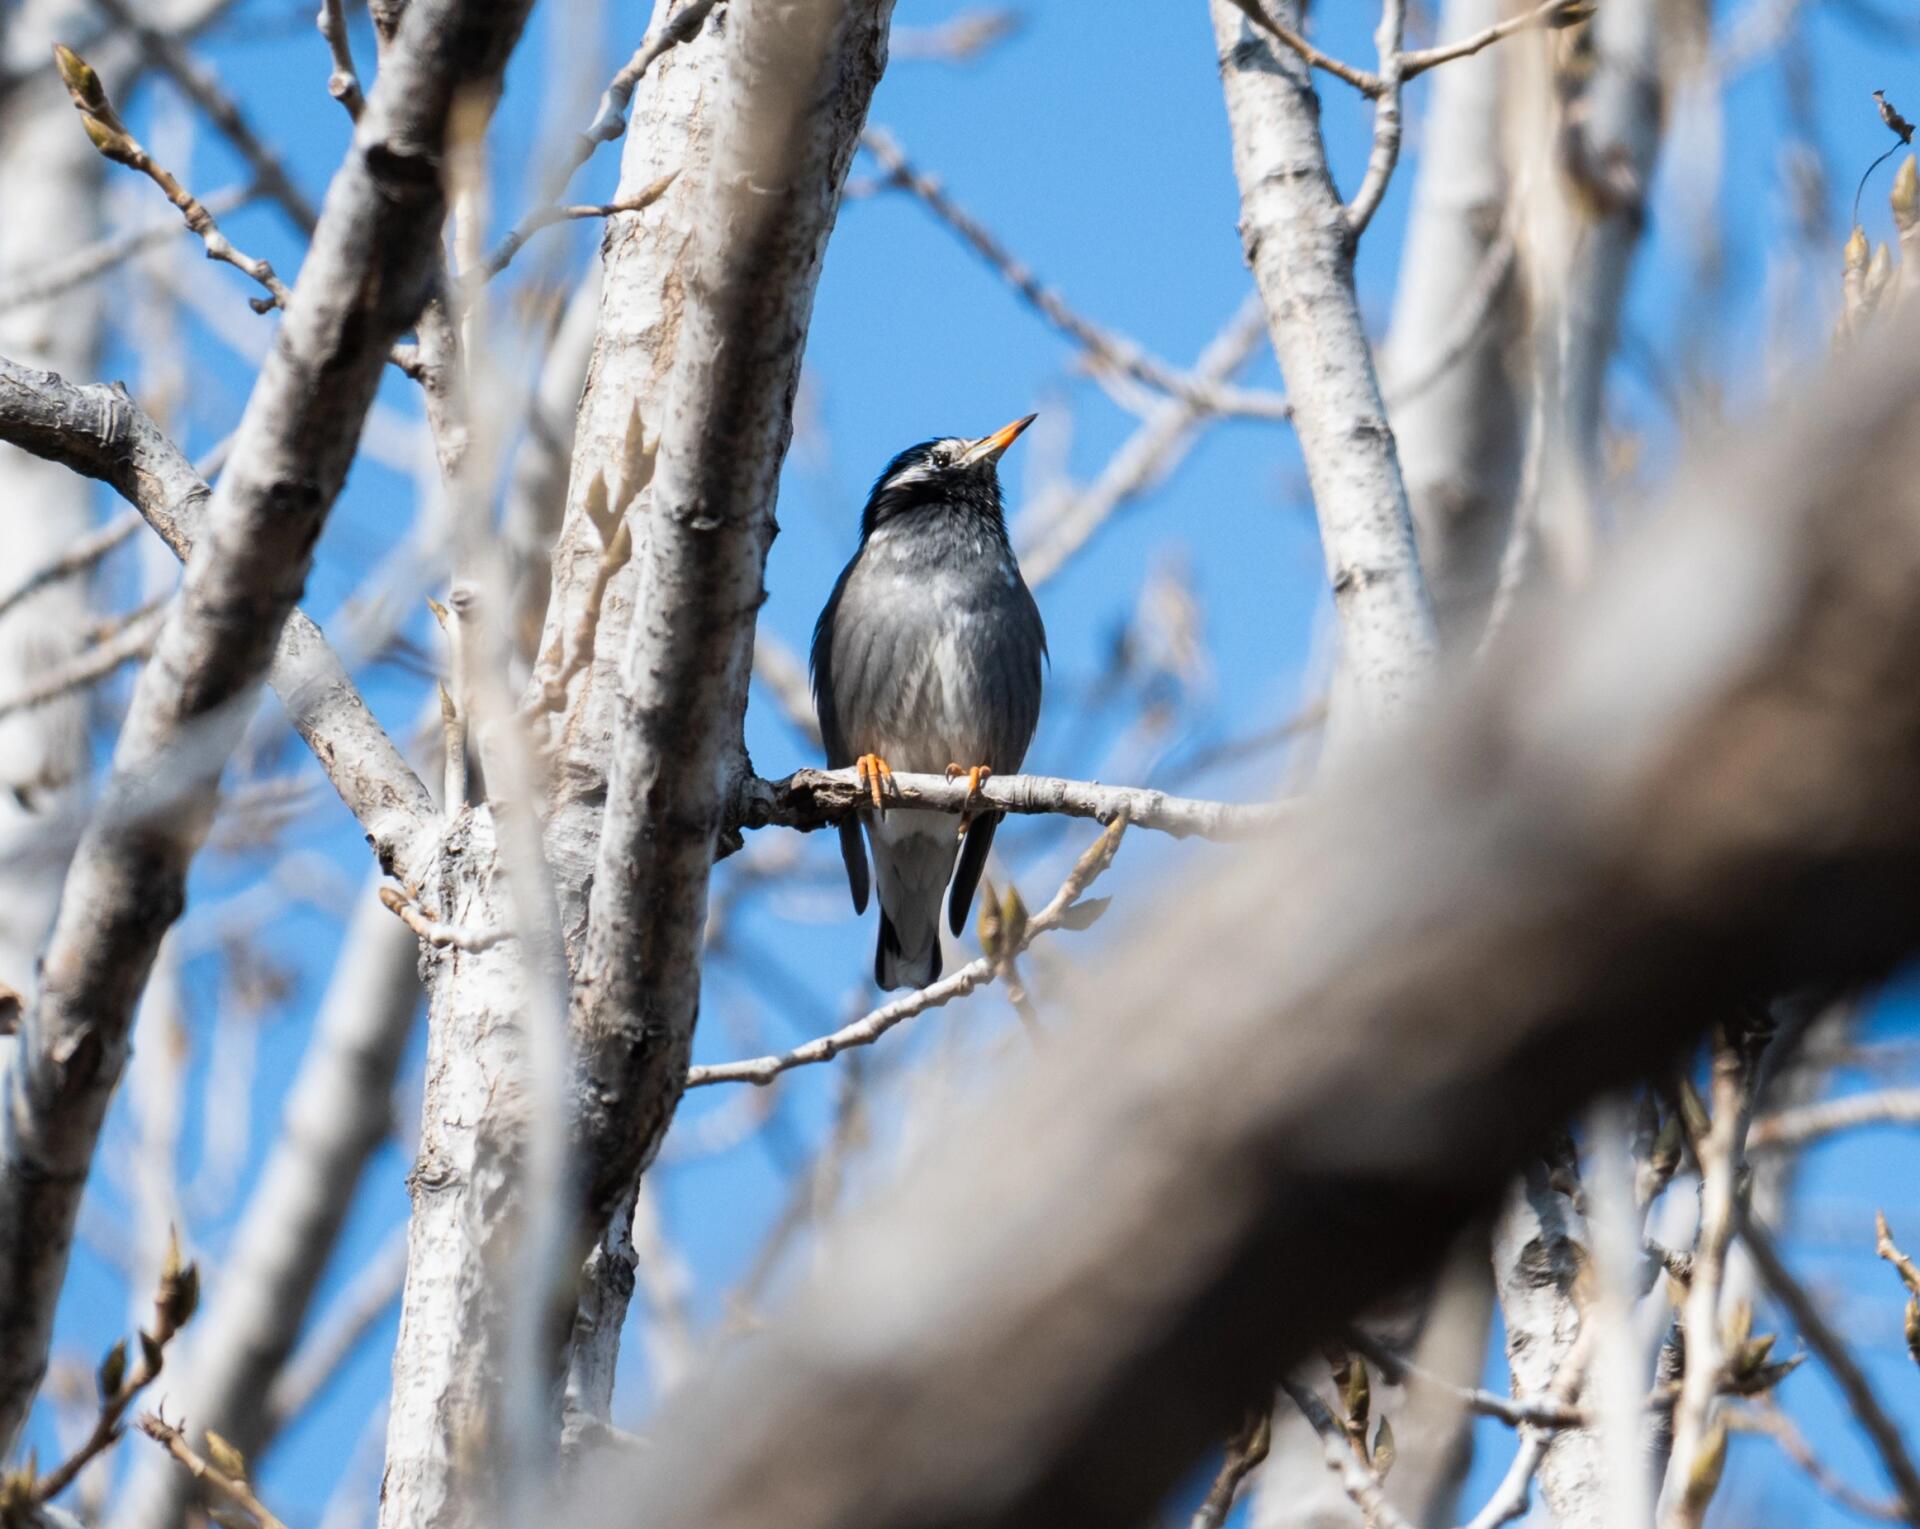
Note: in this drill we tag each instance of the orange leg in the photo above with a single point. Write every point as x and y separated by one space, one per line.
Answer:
874 773
975 774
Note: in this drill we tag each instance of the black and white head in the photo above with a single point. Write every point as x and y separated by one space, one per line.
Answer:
951 476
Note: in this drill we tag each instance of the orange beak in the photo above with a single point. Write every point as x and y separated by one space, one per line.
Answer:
991 448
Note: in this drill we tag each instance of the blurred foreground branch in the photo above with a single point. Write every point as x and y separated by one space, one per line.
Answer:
1690 784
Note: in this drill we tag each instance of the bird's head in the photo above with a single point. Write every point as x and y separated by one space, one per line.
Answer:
954 474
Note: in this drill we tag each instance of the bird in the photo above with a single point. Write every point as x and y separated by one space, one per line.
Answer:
928 658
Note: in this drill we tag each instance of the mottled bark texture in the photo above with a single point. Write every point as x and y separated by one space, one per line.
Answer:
363 283
99 432
1692 782
1300 245
706 297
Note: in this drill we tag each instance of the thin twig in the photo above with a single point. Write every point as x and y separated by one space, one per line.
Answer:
1549 13
975 974
1699 1448
1245 1452
1366 83
609 122
134 640
1358 1481
82 266
176 1298
552 213
1880 1429
110 136
1509 1499
1790 1128
343 84
230 1487
199 86
1547 1411
1385 152
1051 532
1769 1420
1103 347
77 559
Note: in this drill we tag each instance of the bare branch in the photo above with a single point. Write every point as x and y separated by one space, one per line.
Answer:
810 799
609 122
231 1487
1103 347
781 152
338 1113
198 85
1549 13
77 559
1356 1480
1805 1124
1881 1430
100 432
975 974
1385 152
363 282
81 266
110 136
343 84
1052 531
435 933
1299 241
91 665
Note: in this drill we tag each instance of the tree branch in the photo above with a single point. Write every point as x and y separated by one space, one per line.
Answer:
794 94
99 431
1299 241
811 799
975 974
364 281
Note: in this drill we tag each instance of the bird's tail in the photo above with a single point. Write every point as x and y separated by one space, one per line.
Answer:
894 966
913 855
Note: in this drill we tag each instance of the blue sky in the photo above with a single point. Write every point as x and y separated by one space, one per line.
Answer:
1093 142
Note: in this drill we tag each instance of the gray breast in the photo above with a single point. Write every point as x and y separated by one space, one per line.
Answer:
936 661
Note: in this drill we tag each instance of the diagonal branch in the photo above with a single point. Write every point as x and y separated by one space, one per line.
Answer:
1060 912
100 432
364 281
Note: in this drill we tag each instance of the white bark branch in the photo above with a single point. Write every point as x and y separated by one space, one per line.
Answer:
365 279
810 799
792 100
1299 241
100 432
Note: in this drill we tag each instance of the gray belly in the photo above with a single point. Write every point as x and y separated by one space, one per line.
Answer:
939 670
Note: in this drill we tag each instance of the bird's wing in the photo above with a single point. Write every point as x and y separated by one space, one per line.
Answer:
1010 722
966 876
853 850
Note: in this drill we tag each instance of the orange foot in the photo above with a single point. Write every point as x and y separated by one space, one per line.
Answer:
875 774
975 774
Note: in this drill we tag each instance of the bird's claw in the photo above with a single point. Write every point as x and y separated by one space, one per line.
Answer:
873 774
975 774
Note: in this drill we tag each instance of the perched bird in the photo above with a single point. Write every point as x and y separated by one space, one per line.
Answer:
927 658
